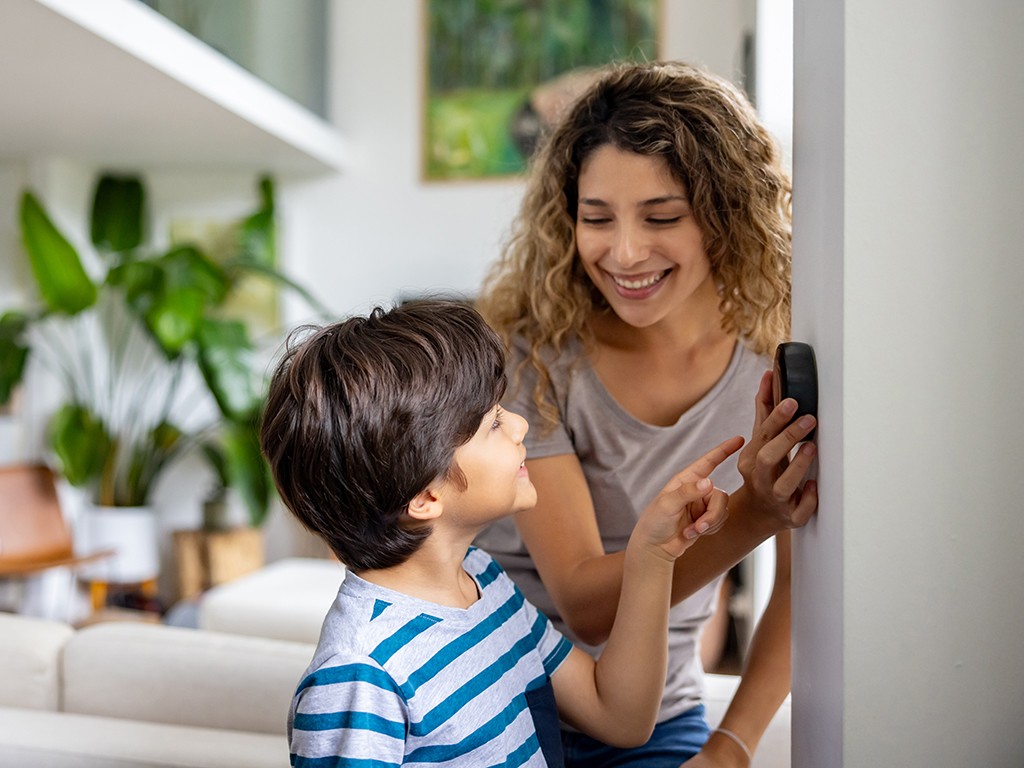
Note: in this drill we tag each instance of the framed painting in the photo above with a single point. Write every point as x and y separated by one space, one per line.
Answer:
497 73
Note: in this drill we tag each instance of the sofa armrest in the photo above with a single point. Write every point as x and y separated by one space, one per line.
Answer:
286 599
29 661
182 676
61 740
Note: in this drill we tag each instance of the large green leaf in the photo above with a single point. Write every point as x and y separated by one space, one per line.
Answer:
81 443
225 362
247 469
218 462
63 282
142 282
158 447
186 267
172 294
118 213
257 235
13 353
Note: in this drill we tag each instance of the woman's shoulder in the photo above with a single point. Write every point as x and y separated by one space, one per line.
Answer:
521 346
560 365
748 360
557 361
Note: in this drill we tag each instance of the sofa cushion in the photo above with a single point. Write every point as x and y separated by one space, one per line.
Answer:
61 740
29 653
182 676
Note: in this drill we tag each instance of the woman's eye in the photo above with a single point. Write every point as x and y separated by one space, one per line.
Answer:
664 220
594 220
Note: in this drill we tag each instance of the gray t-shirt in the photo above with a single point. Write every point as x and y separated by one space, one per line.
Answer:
626 463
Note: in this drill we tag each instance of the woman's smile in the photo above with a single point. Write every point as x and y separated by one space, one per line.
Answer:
638 286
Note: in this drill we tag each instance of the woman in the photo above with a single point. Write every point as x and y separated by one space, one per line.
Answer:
644 288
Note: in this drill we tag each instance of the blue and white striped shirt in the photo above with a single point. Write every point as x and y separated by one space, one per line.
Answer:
400 681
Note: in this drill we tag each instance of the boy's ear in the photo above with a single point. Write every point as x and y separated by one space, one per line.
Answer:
425 505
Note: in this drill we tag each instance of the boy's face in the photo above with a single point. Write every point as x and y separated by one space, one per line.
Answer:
497 483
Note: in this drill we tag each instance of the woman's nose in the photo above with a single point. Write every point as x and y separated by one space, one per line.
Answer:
628 251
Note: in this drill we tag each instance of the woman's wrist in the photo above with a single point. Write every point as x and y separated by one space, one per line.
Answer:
743 511
728 749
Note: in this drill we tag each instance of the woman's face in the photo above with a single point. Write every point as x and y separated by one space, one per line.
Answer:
637 237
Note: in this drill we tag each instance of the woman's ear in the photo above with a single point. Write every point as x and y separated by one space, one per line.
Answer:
425 505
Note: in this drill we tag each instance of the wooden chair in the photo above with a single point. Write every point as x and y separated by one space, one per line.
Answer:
34 535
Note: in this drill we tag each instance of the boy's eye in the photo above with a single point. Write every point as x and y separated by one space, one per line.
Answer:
496 424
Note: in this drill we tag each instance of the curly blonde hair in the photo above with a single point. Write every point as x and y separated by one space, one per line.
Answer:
715 146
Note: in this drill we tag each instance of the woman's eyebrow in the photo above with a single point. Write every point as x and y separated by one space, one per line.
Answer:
662 200
642 204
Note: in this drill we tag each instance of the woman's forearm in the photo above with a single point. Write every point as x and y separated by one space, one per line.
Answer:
711 556
766 673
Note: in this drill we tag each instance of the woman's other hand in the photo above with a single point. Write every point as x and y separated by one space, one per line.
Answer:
776 484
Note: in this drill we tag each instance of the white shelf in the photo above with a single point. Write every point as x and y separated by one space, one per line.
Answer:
115 83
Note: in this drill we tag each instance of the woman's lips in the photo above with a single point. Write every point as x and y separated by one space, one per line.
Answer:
638 286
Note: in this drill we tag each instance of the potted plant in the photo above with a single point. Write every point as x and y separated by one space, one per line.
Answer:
149 364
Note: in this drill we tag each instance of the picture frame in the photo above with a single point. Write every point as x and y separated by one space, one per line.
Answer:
496 75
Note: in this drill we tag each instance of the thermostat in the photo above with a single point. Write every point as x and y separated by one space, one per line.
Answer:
796 375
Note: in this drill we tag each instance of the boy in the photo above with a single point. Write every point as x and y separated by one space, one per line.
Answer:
386 439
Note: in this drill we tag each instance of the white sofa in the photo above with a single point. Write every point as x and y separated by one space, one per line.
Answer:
133 695
142 695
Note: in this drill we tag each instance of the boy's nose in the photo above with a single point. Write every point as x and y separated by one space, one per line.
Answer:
520 426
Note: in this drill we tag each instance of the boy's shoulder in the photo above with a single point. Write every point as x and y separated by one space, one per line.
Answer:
364 615
481 566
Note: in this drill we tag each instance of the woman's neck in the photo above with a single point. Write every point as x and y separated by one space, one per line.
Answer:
682 356
691 327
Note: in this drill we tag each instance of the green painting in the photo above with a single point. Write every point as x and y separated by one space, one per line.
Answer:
497 72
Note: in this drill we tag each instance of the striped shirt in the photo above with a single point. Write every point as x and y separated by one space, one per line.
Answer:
400 681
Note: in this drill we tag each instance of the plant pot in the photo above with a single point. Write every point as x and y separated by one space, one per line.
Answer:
131 532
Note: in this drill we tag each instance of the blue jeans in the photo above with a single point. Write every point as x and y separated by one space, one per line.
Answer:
673 742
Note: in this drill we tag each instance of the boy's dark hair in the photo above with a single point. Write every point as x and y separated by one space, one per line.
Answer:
362 415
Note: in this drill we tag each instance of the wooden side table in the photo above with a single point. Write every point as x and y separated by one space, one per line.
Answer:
99 591
208 558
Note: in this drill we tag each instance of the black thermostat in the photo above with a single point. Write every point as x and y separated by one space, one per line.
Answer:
796 376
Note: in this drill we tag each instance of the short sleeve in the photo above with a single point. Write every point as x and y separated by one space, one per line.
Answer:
543 439
552 646
352 709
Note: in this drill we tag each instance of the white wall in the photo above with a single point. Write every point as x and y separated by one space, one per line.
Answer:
909 175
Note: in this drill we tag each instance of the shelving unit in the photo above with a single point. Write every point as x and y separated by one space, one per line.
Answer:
114 83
